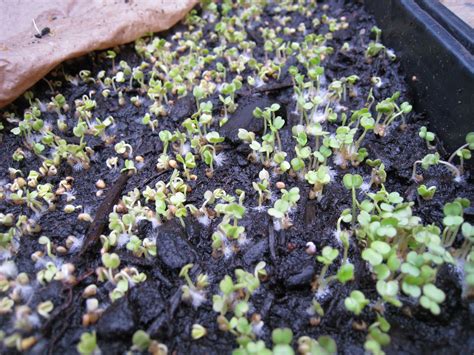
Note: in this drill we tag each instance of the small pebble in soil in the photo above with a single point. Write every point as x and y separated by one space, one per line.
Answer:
280 185
310 248
302 277
100 184
117 320
173 249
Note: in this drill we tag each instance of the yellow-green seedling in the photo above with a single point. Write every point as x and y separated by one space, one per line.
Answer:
453 219
327 257
234 297
432 298
428 136
129 166
124 149
318 179
262 187
353 182
199 93
378 336
431 160
194 293
389 291
467 230
88 344
282 206
271 121
204 114
464 152
282 338
325 345
140 340
469 274
198 331
282 165
188 162
387 111
356 302
425 192
375 47
164 159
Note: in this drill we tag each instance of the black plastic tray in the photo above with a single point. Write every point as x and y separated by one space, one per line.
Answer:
435 48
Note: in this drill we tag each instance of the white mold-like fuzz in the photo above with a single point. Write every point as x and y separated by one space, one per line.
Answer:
332 173
258 328
323 294
9 269
76 245
78 167
365 187
204 220
198 298
242 240
339 159
220 159
276 224
459 179
185 148
123 239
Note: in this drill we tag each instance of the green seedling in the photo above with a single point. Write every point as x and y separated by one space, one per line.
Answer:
432 298
282 206
356 302
129 167
389 291
353 182
188 162
281 338
148 121
345 273
140 340
88 344
124 149
388 110
326 258
318 179
425 192
378 336
198 331
325 345
464 152
428 136
431 160
469 273
453 219
191 292
262 187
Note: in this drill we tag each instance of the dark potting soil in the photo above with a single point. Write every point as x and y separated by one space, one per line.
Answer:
155 305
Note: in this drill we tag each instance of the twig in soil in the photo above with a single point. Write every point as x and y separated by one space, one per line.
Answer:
60 311
271 242
267 305
274 87
173 307
157 273
70 311
154 177
102 215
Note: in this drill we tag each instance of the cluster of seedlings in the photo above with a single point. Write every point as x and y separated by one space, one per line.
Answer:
328 139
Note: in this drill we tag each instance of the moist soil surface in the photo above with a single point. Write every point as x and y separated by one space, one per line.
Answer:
282 301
